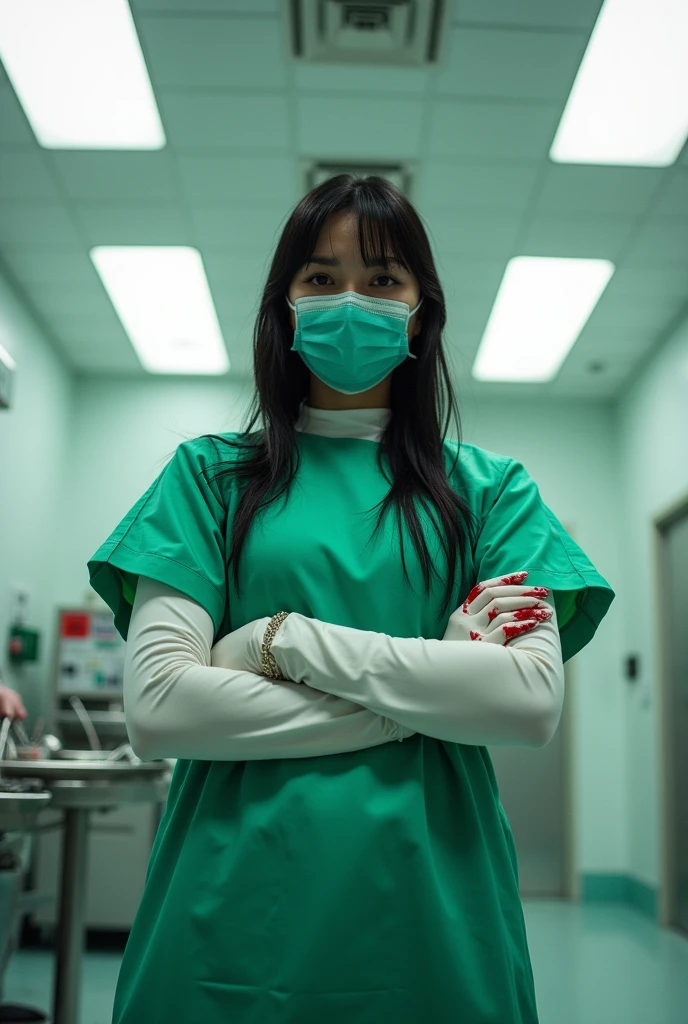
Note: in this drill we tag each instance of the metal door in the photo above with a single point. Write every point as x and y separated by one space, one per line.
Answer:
674 586
535 789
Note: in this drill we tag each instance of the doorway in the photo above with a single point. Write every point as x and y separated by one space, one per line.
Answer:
536 790
671 564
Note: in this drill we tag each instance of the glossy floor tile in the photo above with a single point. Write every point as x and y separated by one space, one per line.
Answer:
593 964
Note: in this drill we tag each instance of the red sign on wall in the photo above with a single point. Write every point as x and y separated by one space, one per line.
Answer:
74 624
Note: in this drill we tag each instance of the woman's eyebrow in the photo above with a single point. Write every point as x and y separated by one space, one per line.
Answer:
332 261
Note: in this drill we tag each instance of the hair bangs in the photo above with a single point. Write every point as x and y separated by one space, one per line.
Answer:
380 238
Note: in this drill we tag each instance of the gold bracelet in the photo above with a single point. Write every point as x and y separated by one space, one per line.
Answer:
270 666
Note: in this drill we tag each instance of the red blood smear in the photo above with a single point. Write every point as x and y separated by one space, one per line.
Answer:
512 631
541 614
514 578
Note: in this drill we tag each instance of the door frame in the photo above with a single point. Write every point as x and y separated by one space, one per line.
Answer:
572 879
677 511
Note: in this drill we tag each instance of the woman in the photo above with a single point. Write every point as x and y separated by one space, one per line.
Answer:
308 868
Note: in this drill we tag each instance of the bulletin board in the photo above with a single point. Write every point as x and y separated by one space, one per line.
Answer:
90 652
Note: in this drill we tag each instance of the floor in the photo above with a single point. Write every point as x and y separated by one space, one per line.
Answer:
593 964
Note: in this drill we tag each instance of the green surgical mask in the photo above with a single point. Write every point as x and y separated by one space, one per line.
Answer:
351 341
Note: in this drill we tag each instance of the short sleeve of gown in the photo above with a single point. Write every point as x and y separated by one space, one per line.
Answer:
519 532
173 534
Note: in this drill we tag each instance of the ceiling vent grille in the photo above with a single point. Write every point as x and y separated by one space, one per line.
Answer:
398 174
380 32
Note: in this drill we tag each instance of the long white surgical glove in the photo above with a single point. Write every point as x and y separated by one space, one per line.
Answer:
179 705
479 693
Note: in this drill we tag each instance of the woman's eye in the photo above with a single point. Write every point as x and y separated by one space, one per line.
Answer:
385 277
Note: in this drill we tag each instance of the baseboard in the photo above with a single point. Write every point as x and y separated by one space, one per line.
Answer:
619 889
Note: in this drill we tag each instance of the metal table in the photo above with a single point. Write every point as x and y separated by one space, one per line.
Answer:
78 787
18 811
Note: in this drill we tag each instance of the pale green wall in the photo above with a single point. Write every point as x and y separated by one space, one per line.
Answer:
34 436
652 428
76 454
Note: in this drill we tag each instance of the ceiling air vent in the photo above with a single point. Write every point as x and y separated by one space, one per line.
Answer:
398 174
387 32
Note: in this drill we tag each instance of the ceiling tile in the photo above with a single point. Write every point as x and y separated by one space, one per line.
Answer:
492 131
41 227
649 283
114 175
319 78
216 121
236 310
79 323
213 52
620 332
61 300
335 127
583 383
511 64
244 228
14 128
462 338
536 13
235 307
480 186
470 311
133 225
624 191
582 238
609 346
644 313
660 244
463 278
203 6
92 354
235 269
24 175
465 232
35 268
673 201
94 333
239 180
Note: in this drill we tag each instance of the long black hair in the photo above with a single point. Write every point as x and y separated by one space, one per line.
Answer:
412 444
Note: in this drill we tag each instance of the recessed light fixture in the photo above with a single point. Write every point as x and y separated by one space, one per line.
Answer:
542 305
78 72
161 295
629 102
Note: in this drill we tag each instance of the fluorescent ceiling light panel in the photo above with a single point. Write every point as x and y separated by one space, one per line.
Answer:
78 71
161 295
542 306
629 102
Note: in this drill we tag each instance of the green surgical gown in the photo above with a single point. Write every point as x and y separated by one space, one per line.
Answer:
373 886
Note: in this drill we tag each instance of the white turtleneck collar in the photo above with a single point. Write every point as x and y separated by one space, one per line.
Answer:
366 424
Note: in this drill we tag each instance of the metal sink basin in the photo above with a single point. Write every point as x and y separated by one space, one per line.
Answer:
101 770
86 784
18 811
80 755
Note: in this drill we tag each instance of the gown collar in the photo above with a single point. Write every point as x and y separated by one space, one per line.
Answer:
367 424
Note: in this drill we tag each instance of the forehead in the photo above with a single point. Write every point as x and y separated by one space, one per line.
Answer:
339 237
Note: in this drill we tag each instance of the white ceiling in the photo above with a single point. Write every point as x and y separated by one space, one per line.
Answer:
241 118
